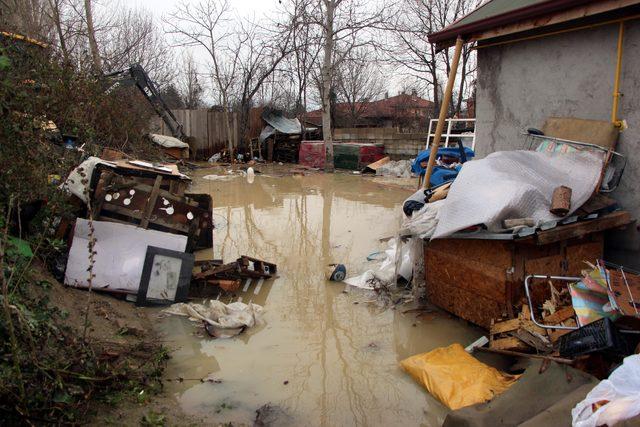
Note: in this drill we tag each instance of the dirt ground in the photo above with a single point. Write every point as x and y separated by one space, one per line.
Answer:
121 327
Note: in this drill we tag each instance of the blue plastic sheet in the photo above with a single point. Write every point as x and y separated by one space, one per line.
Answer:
440 174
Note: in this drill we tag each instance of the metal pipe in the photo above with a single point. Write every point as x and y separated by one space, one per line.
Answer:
526 290
444 106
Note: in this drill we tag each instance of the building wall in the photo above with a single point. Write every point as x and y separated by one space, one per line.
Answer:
567 75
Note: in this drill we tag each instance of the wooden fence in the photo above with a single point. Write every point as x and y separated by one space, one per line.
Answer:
206 129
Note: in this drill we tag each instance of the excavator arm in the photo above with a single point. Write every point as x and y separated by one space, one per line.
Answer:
137 75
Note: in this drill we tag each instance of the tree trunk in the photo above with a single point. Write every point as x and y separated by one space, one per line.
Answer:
463 74
227 125
327 74
55 7
93 45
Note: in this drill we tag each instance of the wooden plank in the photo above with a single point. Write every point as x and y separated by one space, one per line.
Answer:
581 229
510 343
559 316
151 202
506 326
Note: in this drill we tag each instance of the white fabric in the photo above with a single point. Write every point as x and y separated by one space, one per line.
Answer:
167 141
120 253
224 320
515 184
74 184
621 390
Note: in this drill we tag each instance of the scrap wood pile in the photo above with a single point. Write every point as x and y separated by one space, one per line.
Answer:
576 318
143 228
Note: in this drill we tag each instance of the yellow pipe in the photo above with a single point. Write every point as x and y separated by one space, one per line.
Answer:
616 83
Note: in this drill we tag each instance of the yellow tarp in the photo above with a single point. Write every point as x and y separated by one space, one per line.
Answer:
455 377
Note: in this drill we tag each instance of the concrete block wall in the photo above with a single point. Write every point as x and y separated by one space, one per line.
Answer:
396 145
566 75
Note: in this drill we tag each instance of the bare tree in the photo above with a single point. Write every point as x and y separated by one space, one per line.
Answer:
260 54
358 82
91 34
409 48
190 88
131 36
306 47
342 23
27 17
204 25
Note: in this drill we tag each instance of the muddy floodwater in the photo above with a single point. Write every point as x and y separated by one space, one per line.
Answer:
324 355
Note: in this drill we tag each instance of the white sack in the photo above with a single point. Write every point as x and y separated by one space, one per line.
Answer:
167 141
121 251
516 184
622 390
224 320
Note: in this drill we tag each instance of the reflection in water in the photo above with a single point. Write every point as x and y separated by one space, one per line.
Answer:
337 353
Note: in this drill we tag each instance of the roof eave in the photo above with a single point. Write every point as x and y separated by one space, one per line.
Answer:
446 37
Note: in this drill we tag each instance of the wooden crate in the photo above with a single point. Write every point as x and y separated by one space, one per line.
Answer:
481 280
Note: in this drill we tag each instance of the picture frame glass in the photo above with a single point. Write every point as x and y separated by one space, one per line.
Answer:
164 278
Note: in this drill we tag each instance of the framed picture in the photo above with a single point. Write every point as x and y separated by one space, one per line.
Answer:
166 276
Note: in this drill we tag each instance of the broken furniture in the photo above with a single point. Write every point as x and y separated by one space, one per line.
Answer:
165 277
152 197
479 279
228 276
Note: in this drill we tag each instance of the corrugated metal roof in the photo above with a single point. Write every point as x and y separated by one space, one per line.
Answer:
282 124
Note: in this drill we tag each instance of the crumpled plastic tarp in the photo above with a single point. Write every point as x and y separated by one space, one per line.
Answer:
516 184
398 168
456 378
618 397
423 222
394 264
223 320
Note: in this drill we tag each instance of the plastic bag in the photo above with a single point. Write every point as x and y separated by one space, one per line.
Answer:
456 378
613 400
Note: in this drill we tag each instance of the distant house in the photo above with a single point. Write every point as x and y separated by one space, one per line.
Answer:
539 59
406 111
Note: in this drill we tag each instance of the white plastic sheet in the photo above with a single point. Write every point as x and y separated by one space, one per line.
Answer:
396 263
515 184
120 253
224 320
622 392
